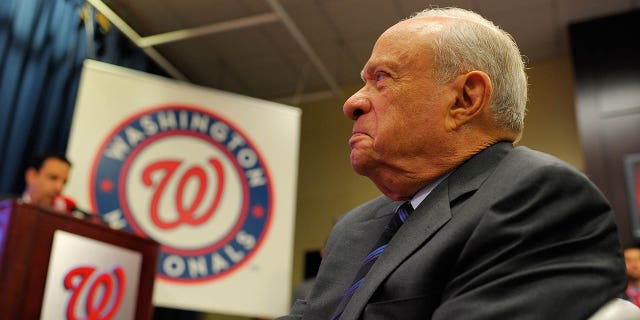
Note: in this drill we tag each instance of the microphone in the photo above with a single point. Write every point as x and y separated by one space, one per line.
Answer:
63 204
68 205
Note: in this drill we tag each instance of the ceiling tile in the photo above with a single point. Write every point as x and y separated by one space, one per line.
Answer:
353 22
265 61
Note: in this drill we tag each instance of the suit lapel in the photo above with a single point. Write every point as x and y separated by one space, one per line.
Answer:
419 227
433 213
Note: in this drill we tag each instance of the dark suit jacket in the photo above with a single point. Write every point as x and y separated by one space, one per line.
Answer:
511 234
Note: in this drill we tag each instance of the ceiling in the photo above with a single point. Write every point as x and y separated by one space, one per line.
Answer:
295 51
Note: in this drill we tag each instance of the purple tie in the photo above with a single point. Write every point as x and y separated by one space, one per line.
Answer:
395 223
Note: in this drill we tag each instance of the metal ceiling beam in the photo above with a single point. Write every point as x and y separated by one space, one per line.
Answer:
297 100
308 50
135 37
184 34
147 43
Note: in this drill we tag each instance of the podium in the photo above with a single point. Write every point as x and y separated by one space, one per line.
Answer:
56 266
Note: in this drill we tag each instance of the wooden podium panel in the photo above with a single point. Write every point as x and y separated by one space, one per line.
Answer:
26 237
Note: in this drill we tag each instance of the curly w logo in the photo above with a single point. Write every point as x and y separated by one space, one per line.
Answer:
95 295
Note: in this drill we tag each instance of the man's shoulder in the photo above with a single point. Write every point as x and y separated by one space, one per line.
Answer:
524 158
375 204
373 208
379 201
505 168
527 167
536 156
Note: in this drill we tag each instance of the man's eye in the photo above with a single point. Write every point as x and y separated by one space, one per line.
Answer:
381 76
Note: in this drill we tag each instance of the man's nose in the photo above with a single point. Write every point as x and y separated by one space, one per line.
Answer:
59 185
357 105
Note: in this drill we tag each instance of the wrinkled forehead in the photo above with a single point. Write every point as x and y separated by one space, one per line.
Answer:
405 41
415 33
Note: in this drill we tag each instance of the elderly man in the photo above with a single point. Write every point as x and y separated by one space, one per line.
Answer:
469 227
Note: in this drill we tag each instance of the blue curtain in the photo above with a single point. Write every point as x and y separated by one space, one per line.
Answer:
42 46
41 52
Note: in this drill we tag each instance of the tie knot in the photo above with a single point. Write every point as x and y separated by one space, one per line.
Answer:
404 211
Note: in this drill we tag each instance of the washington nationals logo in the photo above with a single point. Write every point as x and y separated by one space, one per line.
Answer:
94 295
184 215
192 181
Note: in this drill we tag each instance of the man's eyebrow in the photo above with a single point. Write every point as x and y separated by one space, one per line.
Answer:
366 70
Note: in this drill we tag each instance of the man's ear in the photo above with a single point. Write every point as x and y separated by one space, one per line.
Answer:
474 92
29 175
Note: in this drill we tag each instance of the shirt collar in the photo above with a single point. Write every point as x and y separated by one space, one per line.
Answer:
26 198
424 192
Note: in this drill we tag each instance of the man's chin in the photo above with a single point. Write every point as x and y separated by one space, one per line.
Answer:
360 165
48 202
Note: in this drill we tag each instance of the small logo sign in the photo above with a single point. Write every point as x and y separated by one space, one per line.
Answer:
94 295
189 179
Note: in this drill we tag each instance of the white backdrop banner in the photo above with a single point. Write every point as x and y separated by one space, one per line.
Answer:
209 175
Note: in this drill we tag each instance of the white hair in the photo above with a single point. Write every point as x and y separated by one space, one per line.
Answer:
470 42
